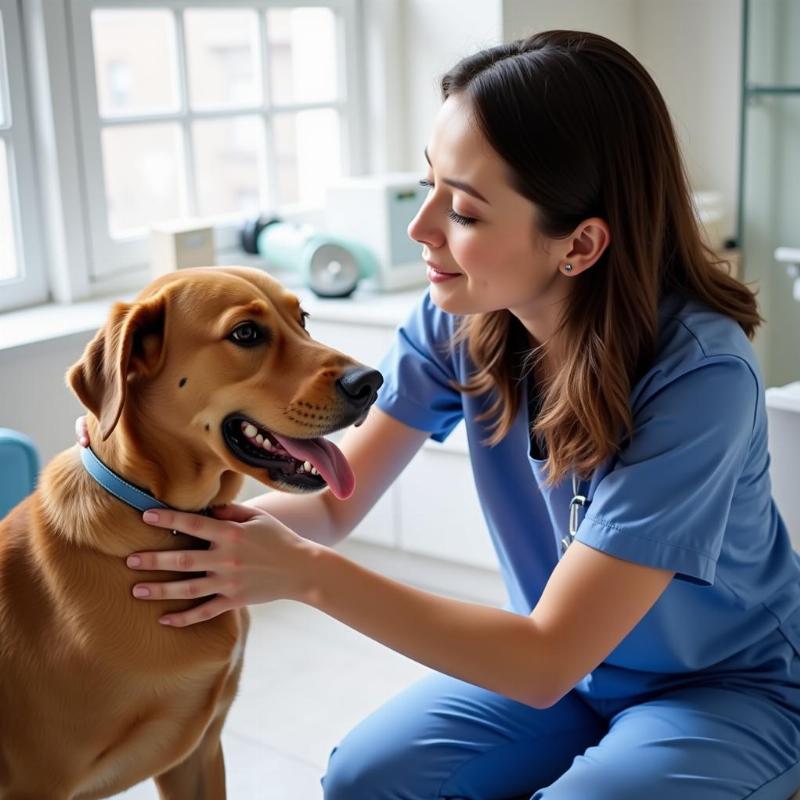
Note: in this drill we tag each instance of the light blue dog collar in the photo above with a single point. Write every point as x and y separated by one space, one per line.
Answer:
114 484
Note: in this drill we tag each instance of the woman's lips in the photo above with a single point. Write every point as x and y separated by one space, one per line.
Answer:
437 275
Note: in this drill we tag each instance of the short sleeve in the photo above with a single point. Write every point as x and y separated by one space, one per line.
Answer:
667 500
417 372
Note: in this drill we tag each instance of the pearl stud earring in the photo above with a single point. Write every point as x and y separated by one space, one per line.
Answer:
567 267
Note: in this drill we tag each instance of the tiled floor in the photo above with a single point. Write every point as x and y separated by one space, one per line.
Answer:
307 680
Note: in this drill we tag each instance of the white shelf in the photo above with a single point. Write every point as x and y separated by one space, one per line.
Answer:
788 255
786 398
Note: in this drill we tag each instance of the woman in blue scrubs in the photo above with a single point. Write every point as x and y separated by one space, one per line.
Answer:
601 361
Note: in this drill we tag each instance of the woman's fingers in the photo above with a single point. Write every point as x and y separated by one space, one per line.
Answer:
175 561
235 512
207 528
177 590
82 431
213 608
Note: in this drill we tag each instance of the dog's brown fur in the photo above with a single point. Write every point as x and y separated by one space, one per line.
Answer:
95 695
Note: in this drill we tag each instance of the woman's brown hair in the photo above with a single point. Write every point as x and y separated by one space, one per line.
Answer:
585 132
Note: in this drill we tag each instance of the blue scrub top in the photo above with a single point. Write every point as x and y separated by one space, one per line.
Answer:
690 493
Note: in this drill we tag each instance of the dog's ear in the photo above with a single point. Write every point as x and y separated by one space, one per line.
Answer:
129 345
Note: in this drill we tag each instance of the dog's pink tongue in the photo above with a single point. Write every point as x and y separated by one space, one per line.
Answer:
327 458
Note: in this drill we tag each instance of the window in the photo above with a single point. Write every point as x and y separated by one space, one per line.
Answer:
22 280
212 111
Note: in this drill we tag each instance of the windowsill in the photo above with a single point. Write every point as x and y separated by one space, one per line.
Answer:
52 321
45 324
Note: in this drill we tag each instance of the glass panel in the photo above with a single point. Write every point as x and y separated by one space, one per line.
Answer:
302 44
773 55
8 254
144 169
3 75
222 50
230 165
135 61
308 155
770 213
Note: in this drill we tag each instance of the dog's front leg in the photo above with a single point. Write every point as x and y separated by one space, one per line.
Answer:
201 776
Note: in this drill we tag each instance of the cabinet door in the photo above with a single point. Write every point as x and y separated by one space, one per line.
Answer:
365 343
439 510
379 526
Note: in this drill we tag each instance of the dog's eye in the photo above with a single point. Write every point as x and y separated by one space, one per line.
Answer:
247 334
304 315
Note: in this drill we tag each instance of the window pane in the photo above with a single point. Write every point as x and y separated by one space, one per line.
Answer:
302 44
143 166
308 154
8 255
222 50
135 61
230 171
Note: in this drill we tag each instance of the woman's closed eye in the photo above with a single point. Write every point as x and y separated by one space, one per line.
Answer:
451 213
461 220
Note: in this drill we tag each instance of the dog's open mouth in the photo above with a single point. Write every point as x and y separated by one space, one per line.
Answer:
304 464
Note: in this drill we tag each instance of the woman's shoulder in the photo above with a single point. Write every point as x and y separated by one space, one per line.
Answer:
430 330
426 317
692 335
687 323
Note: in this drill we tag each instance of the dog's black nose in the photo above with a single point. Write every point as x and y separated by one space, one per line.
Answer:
360 386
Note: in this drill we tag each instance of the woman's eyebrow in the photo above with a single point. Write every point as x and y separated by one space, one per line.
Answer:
465 187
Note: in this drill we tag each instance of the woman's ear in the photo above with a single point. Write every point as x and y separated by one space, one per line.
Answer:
131 343
589 242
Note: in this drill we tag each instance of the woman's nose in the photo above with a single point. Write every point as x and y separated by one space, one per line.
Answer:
423 228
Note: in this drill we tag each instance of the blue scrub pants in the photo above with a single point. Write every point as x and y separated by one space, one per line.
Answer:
443 738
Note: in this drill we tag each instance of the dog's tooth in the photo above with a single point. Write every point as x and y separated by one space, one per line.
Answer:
250 430
267 444
307 466
259 438
314 471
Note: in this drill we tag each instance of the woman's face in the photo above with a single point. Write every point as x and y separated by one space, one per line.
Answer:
475 226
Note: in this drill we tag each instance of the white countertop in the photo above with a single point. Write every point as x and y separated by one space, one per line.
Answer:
363 307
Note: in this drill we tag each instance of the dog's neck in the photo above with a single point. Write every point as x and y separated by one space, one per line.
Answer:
85 514
192 482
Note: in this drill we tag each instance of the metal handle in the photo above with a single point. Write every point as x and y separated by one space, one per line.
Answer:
578 500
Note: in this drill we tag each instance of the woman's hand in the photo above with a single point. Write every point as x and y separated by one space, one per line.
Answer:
82 431
253 558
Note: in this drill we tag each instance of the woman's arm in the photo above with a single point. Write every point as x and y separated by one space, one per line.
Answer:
590 603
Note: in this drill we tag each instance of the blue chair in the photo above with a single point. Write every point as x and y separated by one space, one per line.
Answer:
19 468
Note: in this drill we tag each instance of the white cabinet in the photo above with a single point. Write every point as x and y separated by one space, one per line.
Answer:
438 510
432 509
783 410
365 343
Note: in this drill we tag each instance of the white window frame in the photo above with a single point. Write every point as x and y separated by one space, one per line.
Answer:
30 285
129 257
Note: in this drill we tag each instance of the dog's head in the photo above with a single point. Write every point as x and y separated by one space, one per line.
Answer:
219 359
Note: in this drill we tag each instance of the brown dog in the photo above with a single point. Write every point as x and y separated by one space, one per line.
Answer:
207 376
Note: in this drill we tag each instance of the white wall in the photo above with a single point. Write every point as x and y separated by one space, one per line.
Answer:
691 50
612 18
437 34
34 397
